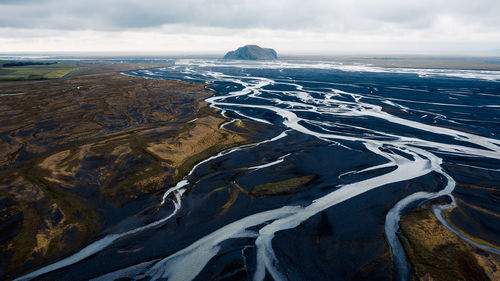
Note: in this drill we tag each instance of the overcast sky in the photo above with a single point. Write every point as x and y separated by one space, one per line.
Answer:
289 26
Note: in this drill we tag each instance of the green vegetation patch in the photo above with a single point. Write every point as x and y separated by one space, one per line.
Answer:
16 71
25 63
280 187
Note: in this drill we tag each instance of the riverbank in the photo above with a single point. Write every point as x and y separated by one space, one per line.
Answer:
436 253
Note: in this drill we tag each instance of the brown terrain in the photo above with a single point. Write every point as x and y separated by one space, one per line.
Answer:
438 254
72 148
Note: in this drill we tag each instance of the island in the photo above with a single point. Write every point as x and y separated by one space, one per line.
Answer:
252 52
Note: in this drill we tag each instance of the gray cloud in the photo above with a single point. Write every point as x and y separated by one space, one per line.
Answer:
278 14
388 24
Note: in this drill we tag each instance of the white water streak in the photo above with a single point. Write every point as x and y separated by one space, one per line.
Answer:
100 244
176 190
406 154
280 160
423 163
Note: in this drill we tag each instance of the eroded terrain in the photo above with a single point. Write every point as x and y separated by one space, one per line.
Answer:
74 150
337 158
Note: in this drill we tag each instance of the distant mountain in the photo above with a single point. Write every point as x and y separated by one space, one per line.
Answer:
252 52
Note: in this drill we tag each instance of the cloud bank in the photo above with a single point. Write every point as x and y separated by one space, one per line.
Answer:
446 26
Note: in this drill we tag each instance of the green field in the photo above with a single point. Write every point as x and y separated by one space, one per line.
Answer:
35 72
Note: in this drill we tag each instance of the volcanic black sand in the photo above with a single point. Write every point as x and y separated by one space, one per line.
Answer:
78 155
309 171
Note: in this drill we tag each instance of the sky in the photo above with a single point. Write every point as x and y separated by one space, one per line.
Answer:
450 27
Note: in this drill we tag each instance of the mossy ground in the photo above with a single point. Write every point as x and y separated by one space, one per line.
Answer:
437 254
73 147
280 187
36 72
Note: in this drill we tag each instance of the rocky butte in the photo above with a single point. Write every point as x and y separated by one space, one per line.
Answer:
252 52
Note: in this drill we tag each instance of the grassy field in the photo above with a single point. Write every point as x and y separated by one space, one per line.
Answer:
35 72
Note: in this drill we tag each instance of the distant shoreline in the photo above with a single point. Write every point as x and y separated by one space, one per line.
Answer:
457 63
388 61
